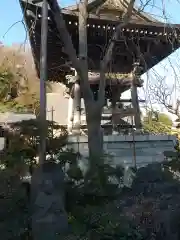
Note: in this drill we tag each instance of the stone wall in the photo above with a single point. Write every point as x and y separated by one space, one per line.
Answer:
143 149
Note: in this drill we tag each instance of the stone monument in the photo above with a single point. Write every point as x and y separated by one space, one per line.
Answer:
49 218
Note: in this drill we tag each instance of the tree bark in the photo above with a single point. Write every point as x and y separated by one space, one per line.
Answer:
93 116
109 52
95 138
69 48
93 108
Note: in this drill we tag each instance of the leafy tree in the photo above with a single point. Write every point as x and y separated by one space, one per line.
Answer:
5 82
157 123
19 85
22 141
17 158
165 119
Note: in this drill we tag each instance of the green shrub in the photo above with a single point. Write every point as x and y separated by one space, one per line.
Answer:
90 193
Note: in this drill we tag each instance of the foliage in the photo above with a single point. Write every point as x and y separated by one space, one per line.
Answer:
92 212
155 122
165 119
23 141
18 158
172 161
14 213
19 85
5 79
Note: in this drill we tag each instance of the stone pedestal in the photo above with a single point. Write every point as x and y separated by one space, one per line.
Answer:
49 219
146 148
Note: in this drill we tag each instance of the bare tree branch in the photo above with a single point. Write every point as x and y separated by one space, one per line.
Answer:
68 45
83 52
64 34
161 94
108 55
175 110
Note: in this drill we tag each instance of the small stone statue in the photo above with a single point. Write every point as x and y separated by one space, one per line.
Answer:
128 177
49 218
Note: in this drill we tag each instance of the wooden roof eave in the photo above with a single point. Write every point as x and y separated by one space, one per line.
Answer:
161 27
94 4
115 21
121 80
132 23
91 5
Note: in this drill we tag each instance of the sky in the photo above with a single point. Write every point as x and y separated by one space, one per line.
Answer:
12 30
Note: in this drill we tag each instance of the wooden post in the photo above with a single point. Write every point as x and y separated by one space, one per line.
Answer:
114 122
135 103
83 41
70 114
134 95
52 120
77 106
83 30
134 146
43 79
115 98
49 218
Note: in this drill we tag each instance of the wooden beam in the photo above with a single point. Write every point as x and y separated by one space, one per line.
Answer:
121 113
109 125
37 1
130 101
95 4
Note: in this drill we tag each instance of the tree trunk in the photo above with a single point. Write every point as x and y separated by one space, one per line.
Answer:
95 137
93 113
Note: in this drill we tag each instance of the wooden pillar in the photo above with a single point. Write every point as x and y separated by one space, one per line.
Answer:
115 98
113 118
70 115
77 106
135 104
43 80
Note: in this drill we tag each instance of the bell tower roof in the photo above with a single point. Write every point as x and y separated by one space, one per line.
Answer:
115 8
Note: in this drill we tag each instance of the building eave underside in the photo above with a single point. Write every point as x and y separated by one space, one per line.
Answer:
162 26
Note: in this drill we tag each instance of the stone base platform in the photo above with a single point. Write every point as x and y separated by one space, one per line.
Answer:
128 149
